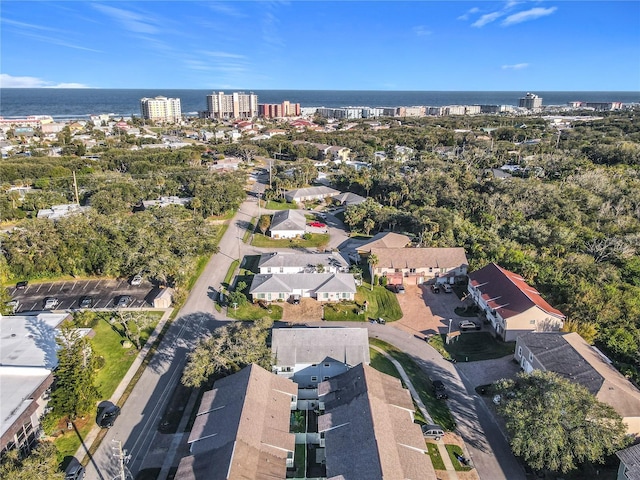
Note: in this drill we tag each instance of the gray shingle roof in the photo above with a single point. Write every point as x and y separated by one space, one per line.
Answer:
292 346
385 240
631 459
349 198
369 409
420 257
285 259
242 424
288 282
288 220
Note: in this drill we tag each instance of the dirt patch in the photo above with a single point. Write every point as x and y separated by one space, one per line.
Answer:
309 310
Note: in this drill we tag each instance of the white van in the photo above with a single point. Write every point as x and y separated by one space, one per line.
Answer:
434 432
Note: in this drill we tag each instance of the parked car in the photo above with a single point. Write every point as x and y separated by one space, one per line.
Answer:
381 321
22 285
50 303
295 299
447 288
75 472
439 389
321 215
467 325
317 224
434 432
85 302
108 415
435 288
400 289
136 280
123 301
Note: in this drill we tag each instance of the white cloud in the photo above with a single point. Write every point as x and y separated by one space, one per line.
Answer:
515 66
487 18
222 54
9 81
131 21
468 13
527 15
422 31
225 9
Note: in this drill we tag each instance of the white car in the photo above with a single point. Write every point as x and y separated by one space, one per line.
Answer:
137 280
50 303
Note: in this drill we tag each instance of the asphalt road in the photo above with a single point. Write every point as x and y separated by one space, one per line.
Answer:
137 425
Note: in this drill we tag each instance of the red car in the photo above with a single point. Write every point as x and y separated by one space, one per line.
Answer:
317 224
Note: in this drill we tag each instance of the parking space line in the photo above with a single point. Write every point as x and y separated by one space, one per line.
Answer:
37 289
33 307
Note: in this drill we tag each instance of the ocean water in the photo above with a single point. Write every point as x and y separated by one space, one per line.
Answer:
80 103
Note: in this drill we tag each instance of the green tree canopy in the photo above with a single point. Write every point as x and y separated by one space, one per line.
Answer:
41 464
555 424
229 349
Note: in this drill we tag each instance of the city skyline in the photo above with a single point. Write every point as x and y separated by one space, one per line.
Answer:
353 45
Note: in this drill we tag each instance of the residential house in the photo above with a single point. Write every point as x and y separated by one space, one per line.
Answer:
511 305
629 463
309 356
60 211
288 224
162 202
384 240
339 154
27 358
348 199
310 194
571 357
415 266
290 262
241 430
324 287
371 410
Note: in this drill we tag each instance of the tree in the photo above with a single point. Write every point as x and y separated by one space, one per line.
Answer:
41 463
133 324
556 424
237 296
372 260
229 349
74 390
265 223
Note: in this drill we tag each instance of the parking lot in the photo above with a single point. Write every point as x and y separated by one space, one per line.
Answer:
104 294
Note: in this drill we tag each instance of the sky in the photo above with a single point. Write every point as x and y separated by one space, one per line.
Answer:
321 45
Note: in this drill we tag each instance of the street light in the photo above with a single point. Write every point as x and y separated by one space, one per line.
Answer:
449 332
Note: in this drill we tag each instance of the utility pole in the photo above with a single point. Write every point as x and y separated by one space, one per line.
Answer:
75 187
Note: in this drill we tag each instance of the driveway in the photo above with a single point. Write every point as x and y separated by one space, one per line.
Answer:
488 371
427 313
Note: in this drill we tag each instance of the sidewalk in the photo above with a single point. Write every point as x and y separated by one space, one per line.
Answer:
87 442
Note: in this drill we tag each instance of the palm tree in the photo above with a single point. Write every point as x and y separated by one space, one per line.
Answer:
372 260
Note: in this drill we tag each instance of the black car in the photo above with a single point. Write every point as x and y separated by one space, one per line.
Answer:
22 285
75 472
108 416
123 301
86 302
439 389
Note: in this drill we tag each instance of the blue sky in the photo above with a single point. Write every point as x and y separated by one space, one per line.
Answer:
346 45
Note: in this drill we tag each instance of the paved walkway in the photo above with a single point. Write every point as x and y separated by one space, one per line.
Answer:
122 386
451 471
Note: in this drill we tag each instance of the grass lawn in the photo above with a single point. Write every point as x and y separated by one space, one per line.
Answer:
344 312
252 311
300 460
107 343
230 273
249 230
474 346
382 364
381 303
317 240
200 266
436 459
273 205
438 409
454 450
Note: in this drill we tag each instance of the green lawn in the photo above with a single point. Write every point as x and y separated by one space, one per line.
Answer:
436 459
252 312
474 346
317 240
381 303
453 451
200 266
382 364
273 205
230 273
438 409
250 230
344 312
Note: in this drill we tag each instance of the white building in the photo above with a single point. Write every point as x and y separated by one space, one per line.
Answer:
161 109
235 105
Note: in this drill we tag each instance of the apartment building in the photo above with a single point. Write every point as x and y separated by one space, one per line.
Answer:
279 110
161 109
223 106
530 101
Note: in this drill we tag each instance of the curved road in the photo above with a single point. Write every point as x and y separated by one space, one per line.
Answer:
137 425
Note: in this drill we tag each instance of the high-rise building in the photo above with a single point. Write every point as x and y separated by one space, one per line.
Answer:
530 101
279 110
161 109
235 105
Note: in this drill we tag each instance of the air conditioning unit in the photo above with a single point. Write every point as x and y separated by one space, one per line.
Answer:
322 442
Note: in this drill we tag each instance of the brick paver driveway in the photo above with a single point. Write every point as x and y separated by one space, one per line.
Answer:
425 312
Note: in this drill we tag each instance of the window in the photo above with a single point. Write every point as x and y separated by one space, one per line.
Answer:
325 378
531 356
325 295
520 351
314 378
430 269
281 269
326 364
281 295
261 296
268 269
